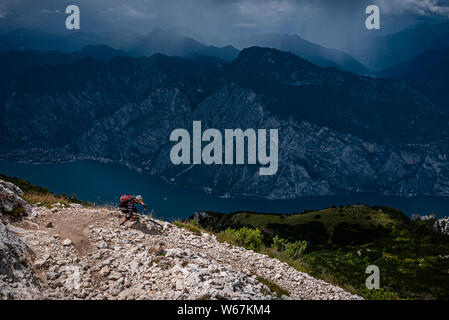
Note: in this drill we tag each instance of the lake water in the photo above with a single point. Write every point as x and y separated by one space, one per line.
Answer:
105 183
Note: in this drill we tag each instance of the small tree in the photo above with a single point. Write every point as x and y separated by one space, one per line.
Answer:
279 243
289 249
295 249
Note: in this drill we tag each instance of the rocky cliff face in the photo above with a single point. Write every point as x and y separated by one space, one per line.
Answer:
11 201
17 280
339 132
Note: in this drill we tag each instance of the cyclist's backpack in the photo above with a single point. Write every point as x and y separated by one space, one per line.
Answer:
124 200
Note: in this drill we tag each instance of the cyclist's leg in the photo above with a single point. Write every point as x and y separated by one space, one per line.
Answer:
124 220
128 215
133 214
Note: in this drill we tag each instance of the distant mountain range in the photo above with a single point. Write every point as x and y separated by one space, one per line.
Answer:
383 52
158 41
339 132
173 43
428 73
371 55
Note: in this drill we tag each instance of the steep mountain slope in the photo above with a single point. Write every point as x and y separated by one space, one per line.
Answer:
339 132
81 253
375 108
316 54
428 73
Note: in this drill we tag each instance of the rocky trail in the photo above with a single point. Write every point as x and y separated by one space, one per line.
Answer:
82 253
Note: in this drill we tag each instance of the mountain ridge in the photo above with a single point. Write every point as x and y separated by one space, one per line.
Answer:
173 43
317 54
141 100
428 73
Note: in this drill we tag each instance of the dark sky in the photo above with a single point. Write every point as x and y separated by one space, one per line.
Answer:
334 23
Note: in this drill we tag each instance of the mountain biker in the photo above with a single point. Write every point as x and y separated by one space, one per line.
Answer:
127 206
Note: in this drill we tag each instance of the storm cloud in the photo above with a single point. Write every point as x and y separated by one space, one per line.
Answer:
335 23
419 7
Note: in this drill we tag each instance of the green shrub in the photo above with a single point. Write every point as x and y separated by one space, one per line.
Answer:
379 294
289 249
195 223
279 243
245 237
295 249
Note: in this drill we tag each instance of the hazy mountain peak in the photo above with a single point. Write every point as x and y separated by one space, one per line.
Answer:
268 57
312 52
383 52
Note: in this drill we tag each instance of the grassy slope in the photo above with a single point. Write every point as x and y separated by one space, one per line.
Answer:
345 240
34 194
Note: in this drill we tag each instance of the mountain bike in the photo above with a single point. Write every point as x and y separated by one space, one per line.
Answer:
143 217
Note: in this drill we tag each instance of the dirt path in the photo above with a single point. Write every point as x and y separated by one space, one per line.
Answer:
105 261
73 226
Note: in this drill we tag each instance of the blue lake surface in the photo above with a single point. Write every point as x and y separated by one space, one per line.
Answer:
105 183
